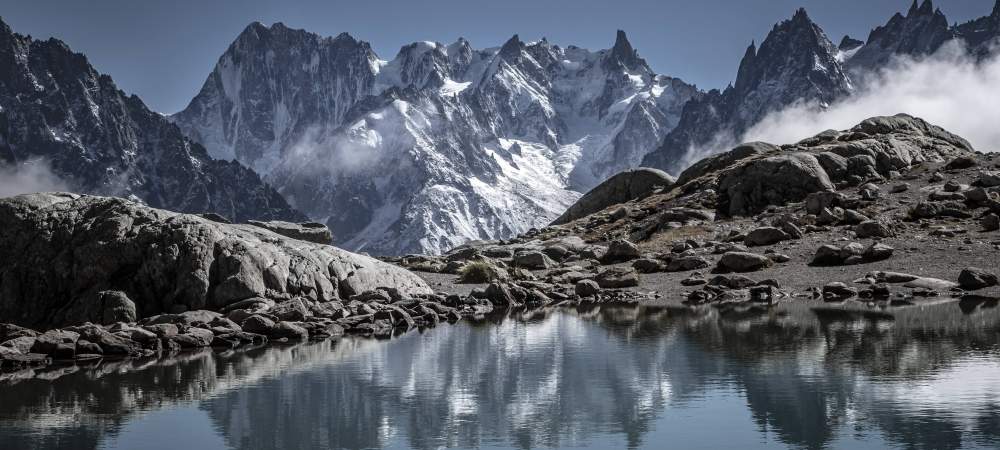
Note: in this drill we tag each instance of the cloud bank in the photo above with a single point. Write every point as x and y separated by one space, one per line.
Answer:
949 89
28 177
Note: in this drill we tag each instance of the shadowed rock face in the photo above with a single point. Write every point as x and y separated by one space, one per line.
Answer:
58 250
54 106
622 187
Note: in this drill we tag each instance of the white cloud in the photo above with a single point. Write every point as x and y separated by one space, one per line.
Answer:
29 177
949 89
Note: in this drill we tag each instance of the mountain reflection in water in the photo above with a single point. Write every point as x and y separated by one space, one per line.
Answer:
601 377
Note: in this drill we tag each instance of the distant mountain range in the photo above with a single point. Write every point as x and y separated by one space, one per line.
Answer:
439 145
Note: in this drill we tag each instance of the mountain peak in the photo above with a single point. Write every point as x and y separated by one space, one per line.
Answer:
512 47
801 16
622 45
624 53
996 10
926 8
5 29
849 43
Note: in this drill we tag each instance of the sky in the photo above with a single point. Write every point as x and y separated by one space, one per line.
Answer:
163 50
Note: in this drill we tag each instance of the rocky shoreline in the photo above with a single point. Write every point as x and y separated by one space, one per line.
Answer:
892 214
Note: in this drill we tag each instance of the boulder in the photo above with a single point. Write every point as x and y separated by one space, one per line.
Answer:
620 188
110 344
306 231
765 236
872 229
961 162
990 222
972 278
743 262
293 310
827 255
22 344
773 180
535 260
617 277
47 343
587 288
258 324
620 250
499 294
161 261
838 291
648 265
988 179
289 330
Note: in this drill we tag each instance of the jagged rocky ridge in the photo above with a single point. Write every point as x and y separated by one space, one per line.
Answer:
55 109
441 144
785 219
796 62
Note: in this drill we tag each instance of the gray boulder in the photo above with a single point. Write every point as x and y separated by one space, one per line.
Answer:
587 288
306 231
774 180
534 260
743 262
617 277
972 278
620 188
872 229
59 252
765 236
621 250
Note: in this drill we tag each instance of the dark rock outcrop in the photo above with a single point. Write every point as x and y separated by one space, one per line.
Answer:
66 258
620 188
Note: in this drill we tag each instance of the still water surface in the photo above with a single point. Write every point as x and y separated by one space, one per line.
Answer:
592 378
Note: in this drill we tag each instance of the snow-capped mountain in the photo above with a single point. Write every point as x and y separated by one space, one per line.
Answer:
795 62
55 106
798 63
441 144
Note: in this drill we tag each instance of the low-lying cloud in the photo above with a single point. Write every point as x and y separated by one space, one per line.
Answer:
29 177
949 88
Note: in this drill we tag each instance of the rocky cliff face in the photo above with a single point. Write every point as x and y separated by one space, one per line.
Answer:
796 62
920 32
440 145
54 106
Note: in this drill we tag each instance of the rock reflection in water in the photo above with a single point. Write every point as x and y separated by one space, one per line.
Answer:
924 378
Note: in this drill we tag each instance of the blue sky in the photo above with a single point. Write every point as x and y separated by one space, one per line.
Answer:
163 50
